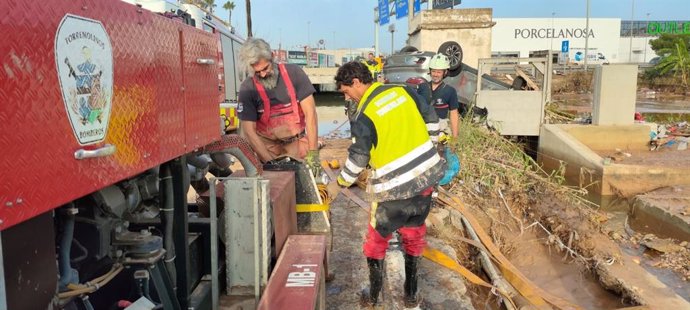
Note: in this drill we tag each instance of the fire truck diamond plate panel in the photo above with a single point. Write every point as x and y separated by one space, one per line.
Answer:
104 80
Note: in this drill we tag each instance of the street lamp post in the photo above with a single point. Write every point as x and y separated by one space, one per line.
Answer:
553 16
391 28
308 46
587 36
376 30
632 26
646 46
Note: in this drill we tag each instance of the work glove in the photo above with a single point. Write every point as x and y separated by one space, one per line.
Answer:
333 189
312 160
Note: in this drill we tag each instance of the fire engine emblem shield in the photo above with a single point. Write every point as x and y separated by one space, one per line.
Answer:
84 62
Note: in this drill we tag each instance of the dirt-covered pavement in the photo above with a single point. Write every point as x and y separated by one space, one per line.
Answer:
440 288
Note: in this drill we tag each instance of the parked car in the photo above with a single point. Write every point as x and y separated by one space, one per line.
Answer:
655 61
411 67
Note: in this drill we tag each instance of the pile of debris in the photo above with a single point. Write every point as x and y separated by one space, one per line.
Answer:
672 136
509 194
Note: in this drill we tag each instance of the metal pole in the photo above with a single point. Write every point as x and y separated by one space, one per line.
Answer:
587 36
646 45
553 15
215 288
632 25
376 31
391 28
3 286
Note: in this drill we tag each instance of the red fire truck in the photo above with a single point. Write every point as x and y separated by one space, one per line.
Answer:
109 112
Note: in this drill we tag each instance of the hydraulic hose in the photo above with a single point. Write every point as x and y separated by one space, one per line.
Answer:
84 251
239 147
91 286
198 161
67 274
166 214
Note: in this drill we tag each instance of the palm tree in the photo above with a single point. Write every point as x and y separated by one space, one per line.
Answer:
230 5
249 18
210 4
678 61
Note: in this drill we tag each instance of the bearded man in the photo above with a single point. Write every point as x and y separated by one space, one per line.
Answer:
276 106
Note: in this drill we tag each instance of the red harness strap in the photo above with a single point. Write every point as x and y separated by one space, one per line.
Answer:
282 114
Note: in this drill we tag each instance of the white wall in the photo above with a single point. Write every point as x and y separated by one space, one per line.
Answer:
530 34
639 45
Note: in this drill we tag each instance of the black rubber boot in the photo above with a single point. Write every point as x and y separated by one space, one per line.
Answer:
371 298
411 298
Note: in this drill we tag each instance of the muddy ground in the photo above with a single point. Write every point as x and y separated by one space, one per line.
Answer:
666 157
570 250
440 288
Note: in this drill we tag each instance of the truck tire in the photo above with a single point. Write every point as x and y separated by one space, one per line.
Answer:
454 52
408 49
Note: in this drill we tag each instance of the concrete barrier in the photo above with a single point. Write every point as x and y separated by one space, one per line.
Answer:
572 146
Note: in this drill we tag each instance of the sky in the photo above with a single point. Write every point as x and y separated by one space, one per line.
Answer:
350 23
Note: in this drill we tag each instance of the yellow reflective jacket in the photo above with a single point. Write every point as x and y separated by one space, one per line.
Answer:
394 132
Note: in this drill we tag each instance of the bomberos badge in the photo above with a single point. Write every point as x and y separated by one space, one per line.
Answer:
84 61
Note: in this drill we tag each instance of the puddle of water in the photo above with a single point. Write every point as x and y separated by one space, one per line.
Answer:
666 276
568 280
638 220
330 109
663 111
619 209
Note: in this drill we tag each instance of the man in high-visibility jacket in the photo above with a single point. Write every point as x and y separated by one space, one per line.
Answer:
394 132
371 64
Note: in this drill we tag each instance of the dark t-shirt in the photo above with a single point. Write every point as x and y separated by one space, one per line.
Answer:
251 106
443 95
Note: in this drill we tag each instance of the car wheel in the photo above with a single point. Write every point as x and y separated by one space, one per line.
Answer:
455 72
408 49
454 52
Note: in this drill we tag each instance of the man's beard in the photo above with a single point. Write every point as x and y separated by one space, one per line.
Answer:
270 80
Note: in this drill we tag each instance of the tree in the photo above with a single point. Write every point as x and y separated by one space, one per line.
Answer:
210 4
249 18
230 5
668 41
678 61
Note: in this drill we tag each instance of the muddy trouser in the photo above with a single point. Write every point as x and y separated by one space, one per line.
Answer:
295 149
406 216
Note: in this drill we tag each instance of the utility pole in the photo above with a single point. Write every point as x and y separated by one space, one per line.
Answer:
391 28
632 25
587 36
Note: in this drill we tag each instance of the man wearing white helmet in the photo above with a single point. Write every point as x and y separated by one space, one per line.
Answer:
440 95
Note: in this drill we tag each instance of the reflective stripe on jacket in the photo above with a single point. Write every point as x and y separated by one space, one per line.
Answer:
400 150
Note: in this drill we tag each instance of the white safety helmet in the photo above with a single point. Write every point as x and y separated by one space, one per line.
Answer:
439 62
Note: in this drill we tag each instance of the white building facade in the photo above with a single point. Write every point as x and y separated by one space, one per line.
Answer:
610 39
